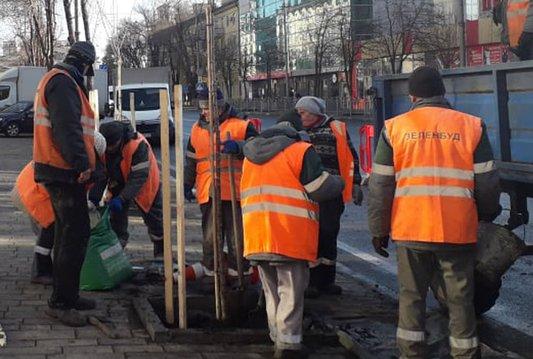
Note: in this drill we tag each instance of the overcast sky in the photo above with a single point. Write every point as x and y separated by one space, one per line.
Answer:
104 14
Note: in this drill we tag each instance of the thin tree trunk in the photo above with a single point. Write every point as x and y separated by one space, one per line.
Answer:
68 18
76 21
85 17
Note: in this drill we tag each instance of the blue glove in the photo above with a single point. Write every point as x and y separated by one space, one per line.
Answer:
231 147
189 196
115 205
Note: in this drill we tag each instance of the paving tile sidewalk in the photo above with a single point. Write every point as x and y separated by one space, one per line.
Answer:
32 334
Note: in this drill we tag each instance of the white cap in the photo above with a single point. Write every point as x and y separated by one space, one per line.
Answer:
100 143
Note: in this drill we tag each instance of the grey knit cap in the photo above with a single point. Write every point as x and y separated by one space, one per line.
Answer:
312 105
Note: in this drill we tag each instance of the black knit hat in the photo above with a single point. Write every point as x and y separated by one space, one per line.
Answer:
426 82
293 118
113 131
84 53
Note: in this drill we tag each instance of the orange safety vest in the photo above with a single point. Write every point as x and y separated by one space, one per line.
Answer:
434 168
345 158
34 197
146 196
200 141
278 217
516 19
45 150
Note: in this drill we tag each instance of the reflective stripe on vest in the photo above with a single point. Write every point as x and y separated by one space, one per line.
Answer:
345 158
516 19
34 197
278 216
146 196
45 150
200 142
433 164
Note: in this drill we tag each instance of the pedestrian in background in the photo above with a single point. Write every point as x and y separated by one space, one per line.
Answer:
433 178
64 157
133 177
282 180
332 142
198 174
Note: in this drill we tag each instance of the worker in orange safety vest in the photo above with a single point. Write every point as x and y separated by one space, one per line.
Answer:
433 179
133 177
332 143
516 18
32 198
197 173
64 158
283 179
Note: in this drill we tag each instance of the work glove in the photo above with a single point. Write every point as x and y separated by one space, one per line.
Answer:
379 244
189 196
357 195
116 205
231 147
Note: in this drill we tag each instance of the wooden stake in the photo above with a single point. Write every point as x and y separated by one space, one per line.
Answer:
167 242
93 100
180 206
214 143
132 111
236 232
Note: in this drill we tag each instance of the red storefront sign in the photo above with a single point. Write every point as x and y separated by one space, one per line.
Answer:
487 54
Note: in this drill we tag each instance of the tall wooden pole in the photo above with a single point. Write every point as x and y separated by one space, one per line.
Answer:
132 111
214 143
167 241
462 33
93 100
76 21
180 206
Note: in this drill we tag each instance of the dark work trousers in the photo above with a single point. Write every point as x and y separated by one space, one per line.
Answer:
227 233
42 260
153 220
330 213
72 231
416 268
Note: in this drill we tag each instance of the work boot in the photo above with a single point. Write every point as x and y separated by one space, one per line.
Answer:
312 292
158 249
70 317
44 279
331 289
85 304
41 270
291 354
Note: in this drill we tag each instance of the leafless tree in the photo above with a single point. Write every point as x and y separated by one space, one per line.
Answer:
269 56
442 42
85 18
68 17
323 37
227 61
400 27
350 47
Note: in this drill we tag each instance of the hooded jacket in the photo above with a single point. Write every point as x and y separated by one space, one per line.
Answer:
262 148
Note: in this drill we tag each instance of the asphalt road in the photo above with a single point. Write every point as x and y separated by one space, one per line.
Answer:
357 257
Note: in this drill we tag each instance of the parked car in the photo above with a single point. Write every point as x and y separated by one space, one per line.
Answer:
17 119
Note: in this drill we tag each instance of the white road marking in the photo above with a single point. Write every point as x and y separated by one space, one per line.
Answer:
383 264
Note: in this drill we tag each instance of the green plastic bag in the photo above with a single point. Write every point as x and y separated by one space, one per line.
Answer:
106 265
